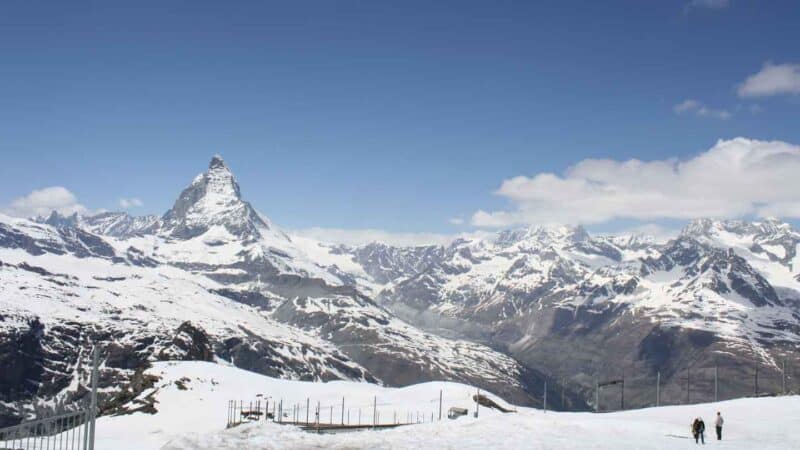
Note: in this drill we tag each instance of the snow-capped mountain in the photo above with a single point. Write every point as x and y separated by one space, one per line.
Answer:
557 298
212 280
113 224
213 200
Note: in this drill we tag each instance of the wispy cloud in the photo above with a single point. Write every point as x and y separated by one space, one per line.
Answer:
734 178
659 233
127 203
456 220
366 236
707 4
697 108
42 202
772 79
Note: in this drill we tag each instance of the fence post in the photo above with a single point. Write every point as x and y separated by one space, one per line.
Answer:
478 403
331 415
716 380
440 404
596 394
622 395
658 388
563 382
342 410
308 408
374 411
93 411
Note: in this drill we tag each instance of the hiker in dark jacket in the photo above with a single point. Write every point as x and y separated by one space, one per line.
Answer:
698 428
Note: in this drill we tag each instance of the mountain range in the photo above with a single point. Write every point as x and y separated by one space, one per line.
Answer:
213 279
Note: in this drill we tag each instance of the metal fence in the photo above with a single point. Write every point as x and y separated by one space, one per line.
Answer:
72 430
64 431
631 389
340 415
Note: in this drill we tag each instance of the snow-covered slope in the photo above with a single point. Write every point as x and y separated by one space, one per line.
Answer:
191 399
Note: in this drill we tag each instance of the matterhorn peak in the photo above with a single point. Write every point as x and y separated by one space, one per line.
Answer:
217 162
213 198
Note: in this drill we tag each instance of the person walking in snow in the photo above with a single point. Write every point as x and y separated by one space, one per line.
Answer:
718 424
698 428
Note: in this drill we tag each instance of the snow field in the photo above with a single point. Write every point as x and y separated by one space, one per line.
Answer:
195 419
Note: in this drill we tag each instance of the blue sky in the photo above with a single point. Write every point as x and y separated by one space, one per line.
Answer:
398 116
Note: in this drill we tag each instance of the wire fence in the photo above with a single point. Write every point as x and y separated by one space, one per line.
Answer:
693 384
344 414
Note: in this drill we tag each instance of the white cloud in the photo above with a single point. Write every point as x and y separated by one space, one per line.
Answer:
686 105
658 232
691 106
708 4
772 79
732 179
366 236
42 202
127 203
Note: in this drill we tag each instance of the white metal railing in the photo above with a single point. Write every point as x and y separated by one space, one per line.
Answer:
72 430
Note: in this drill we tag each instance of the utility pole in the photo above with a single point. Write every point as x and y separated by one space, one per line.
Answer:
688 387
596 394
477 403
622 395
563 406
755 382
658 388
783 379
374 411
342 410
545 395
